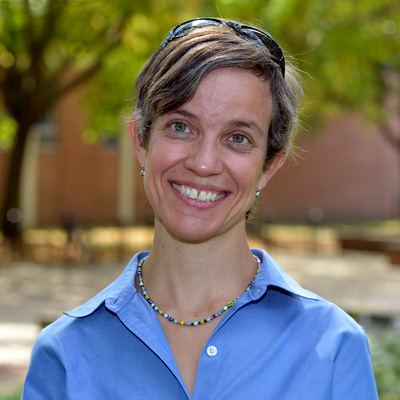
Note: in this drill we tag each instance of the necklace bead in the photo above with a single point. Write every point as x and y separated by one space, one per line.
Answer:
183 323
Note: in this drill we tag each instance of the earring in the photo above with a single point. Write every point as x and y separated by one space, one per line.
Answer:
142 172
258 193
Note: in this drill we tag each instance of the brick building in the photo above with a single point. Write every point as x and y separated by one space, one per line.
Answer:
341 174
348 171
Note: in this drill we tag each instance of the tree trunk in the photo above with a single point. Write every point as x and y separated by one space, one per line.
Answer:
10 223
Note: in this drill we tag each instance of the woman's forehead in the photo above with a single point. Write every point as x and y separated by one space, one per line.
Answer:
231 95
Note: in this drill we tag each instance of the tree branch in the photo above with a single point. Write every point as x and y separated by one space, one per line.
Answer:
78 80
389 136
86 74
37 42
53 14
5 10
30 34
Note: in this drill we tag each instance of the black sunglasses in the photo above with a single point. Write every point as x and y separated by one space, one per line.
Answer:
248 32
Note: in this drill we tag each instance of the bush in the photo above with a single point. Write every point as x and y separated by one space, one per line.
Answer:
385 354
16 396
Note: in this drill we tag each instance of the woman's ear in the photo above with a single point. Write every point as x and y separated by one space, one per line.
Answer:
271 169
136 139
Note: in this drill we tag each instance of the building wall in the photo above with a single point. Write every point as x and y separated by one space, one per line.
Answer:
348 171
75 179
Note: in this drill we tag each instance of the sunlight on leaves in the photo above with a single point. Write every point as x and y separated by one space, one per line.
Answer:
8 128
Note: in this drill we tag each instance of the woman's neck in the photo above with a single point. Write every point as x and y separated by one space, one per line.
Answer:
184 276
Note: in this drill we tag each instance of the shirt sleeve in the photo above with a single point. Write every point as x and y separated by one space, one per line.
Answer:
353 375
46 374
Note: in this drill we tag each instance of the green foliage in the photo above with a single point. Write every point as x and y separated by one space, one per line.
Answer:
111 94
13 396
8 128
48 47
342 46
385 353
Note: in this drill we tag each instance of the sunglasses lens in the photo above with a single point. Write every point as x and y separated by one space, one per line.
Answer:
248 32
184 28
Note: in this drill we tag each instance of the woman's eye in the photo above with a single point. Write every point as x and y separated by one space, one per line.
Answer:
239 139
180 127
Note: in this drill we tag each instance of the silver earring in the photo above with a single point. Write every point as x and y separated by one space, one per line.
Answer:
142 172
258 193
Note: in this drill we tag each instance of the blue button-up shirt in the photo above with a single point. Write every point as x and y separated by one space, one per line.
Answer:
277 342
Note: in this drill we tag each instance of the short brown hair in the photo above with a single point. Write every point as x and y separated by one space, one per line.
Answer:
173 73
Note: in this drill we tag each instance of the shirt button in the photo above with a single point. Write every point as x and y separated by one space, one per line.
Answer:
212 351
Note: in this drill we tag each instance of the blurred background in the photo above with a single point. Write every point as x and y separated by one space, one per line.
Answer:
72 205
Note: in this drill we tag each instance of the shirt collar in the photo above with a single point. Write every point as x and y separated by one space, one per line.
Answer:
272 275
116 295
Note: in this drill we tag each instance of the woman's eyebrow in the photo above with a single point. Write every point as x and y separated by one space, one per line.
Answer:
185 113
246 124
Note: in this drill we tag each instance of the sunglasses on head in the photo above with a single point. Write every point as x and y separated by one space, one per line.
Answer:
248 32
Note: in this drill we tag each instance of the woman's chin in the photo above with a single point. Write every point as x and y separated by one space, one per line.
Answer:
190 235
198 231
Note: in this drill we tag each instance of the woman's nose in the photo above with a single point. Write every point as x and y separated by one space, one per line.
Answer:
204 158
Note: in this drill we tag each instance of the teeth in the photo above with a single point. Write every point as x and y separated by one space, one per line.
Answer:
203 196
195 194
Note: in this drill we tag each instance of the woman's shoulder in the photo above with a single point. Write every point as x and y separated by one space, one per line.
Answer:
305 304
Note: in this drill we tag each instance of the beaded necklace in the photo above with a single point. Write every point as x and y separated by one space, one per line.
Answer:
176 321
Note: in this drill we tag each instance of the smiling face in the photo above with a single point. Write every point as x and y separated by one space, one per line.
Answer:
204 161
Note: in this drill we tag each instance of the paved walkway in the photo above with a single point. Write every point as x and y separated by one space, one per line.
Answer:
361 283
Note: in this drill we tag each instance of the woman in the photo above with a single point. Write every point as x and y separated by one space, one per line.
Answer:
202 316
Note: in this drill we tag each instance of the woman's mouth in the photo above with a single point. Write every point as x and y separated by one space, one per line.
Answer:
198 195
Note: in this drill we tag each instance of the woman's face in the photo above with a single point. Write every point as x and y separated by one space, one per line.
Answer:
204 161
